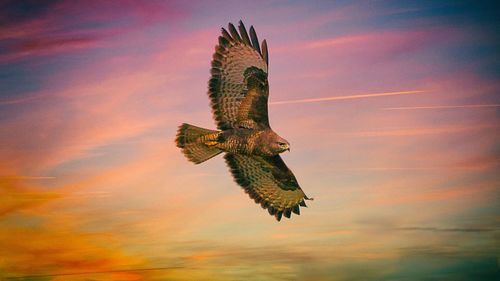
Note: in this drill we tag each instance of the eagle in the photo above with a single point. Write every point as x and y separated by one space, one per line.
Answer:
239 90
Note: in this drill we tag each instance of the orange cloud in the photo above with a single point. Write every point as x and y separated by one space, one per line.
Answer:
56 245
50 245
15 197
58 250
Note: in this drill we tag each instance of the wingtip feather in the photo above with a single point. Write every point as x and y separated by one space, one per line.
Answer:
278 215
265 53
302 203
244 34
287 213
226 34
234 32
255 40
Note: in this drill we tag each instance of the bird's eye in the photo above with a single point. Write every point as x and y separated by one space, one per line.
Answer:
281 143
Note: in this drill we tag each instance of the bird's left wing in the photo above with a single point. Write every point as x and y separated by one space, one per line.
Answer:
269 182
238 63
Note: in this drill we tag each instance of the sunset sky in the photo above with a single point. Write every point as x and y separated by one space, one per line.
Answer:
392 109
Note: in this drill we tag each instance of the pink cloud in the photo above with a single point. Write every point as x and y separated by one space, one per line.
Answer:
105 107
69 122
64 27
46 46
375 44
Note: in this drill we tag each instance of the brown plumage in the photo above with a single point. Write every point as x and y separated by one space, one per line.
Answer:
238 91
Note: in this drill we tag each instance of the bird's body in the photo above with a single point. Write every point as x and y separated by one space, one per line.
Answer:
239 92
242 141
250 142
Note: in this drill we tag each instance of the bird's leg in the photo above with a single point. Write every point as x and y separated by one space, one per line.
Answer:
210 139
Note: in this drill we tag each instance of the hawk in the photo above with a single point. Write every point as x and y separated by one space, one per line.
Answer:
238 91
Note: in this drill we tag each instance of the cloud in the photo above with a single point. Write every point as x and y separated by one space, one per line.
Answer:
15 197
59 249
115 103
331 42
45 232
37 244
382 44
474 192
74 120
489 160
50 28
46 46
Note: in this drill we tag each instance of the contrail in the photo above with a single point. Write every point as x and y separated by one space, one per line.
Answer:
372 95
443 107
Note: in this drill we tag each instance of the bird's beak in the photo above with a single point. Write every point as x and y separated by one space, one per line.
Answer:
288 149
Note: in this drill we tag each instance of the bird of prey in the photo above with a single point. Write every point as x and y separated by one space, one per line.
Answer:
238 91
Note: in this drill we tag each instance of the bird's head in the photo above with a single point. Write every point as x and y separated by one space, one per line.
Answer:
279 145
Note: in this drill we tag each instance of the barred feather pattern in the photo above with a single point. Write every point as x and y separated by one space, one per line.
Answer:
197 144
269 182
235 53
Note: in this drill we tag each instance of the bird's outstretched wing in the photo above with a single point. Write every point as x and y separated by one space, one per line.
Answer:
238 87
269 182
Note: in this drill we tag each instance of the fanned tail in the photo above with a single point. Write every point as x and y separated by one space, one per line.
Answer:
197 144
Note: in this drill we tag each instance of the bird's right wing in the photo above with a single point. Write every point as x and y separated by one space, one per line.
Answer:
269 182
237 57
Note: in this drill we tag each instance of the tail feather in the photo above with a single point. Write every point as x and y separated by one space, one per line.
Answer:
196 143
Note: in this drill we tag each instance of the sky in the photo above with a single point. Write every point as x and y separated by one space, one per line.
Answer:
391 108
